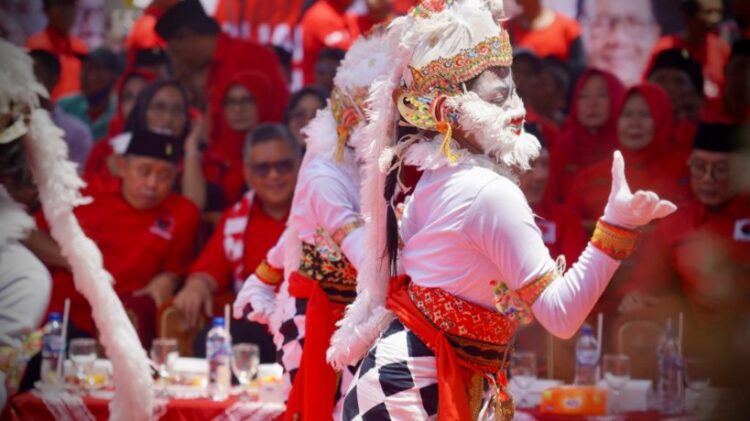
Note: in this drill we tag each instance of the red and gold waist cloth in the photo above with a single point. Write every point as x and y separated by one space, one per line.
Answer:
480 337
332 271
470 342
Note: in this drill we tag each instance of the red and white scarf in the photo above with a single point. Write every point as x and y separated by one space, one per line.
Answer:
234 236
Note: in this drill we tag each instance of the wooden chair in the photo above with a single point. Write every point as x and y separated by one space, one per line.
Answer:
638 334
172 325
639 339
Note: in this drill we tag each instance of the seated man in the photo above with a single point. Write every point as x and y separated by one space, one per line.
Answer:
245 233
146 234
701 254
681 76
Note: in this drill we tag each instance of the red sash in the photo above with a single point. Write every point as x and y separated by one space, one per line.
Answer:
454 373
314 388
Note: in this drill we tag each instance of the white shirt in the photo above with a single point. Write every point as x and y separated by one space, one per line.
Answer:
327 196
465 226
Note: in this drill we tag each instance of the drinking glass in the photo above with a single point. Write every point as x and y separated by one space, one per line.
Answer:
697 378
163 354
616 373
245 361
82 352
523 373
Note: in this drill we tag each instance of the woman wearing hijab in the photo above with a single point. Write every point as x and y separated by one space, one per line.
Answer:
645 130
589 135
128 87
246 103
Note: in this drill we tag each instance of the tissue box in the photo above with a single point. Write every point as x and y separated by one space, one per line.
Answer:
574 400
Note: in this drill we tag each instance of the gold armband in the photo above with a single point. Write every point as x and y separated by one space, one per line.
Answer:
346 229
269 274
616 242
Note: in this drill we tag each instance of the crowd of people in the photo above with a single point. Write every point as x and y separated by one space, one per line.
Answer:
190 144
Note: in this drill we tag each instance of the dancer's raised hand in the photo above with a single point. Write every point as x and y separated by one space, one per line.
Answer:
630 210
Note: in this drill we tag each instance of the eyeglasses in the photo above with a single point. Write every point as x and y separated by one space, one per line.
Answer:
719 171
164 108
263 169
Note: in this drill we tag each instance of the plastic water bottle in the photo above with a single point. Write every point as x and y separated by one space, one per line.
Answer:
669 386
218 353
587 358
53 349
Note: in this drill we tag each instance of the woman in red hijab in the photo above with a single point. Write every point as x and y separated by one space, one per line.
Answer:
645 131
589 134
128 87
246 103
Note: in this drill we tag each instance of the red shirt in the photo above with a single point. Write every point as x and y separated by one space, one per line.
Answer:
562 231
705 255
262 21
322 26
258 236
143 34
712 54
67 48
96 163
554 40
234 56
136 245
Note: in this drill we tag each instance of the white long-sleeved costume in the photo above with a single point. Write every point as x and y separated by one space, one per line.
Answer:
465 226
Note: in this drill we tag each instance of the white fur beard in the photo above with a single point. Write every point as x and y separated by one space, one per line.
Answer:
491 127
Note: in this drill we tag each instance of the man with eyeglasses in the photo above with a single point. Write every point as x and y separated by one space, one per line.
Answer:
701 254
245 233
145 231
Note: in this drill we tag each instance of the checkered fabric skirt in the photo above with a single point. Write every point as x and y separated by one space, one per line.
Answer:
290 339
397 380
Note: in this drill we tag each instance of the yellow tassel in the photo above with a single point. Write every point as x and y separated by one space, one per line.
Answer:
447 131
338 155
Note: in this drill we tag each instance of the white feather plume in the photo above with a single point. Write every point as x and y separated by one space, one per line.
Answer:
367 317
59 186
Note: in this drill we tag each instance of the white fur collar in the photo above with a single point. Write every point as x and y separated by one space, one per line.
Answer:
427 154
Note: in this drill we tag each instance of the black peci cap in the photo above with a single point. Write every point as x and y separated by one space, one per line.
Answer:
716 137
155 145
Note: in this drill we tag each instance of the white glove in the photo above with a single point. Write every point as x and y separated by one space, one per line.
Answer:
630 210
260 296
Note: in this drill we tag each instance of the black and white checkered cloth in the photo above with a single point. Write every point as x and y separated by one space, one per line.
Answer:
397 380
290 339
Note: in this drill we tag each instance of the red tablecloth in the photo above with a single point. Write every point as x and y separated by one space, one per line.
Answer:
30 406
